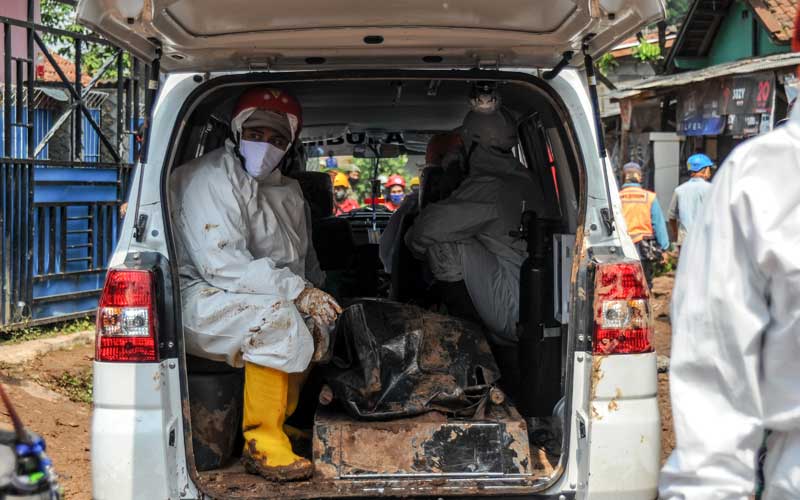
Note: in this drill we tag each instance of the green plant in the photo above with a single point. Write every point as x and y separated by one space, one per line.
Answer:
646 51
607 63
76 386
667 265
676 11
25 333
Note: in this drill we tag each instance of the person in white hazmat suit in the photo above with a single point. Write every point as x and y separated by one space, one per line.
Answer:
735 366
249 274
465 238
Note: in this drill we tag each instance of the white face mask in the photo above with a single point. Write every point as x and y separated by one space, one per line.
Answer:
260 158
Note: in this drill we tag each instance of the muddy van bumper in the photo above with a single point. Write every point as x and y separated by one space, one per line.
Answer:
625 449
128 436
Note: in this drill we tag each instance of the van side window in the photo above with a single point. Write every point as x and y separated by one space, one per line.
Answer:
538 157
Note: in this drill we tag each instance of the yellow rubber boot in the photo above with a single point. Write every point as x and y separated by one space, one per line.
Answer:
267 449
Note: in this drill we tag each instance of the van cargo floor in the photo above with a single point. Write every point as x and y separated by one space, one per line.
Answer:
428 445
425 455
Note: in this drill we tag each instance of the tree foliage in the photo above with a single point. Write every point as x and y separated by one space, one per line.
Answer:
676 11
93 55
386 167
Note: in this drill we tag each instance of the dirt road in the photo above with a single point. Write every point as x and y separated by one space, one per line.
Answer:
662 293
65 423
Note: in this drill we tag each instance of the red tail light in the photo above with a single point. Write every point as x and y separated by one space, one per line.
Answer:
622 317
127 327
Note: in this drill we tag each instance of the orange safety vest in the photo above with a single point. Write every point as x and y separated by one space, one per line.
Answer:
637 205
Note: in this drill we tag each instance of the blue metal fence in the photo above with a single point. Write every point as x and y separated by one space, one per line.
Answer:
73 221
42 120
59 215
90 138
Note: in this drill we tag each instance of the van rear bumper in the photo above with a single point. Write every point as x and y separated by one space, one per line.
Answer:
625 437
128 433
128 456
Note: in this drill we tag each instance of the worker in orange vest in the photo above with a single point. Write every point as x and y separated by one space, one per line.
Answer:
646 225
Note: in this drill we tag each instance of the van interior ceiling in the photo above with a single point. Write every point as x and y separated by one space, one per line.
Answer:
502 444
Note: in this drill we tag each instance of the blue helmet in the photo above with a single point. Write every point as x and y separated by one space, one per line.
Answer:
698 162
632 166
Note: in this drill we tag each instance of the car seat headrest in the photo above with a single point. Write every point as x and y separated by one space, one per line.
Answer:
318 192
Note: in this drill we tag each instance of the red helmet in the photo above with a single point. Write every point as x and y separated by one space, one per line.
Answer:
275 101
395 180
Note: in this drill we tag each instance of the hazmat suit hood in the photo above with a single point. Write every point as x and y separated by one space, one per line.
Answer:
493 130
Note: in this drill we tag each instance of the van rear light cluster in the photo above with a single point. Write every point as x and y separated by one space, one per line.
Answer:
622 316
127 325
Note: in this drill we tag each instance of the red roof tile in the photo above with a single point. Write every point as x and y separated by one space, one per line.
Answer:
48 73
777 16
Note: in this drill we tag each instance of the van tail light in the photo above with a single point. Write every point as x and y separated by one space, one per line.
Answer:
127 326
622 316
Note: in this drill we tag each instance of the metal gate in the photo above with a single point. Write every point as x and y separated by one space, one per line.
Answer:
60 217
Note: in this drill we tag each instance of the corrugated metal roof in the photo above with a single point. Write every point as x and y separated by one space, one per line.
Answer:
733 68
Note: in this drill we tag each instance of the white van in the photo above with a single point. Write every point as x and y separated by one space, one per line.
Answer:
404 69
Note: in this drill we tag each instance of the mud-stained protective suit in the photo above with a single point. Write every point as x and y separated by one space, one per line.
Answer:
468 235
245 255
735 362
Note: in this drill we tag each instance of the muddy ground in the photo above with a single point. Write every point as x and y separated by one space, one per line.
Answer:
662 293
41 397
63 423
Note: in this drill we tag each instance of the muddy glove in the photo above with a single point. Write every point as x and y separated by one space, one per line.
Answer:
323 340
319 305
321 311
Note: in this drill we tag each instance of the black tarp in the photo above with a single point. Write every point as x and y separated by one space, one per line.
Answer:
394 360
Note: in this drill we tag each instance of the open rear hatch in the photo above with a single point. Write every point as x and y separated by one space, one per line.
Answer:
206 35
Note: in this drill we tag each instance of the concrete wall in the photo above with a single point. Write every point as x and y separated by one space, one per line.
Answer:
666 155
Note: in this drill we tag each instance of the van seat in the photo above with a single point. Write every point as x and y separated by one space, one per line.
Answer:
408 283
318 192
332 237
